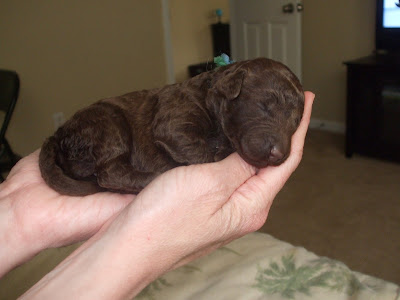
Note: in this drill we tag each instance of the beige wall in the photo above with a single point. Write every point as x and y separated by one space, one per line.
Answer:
334 32
71 53
191 32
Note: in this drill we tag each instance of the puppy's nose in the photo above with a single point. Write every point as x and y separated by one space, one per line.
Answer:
275 155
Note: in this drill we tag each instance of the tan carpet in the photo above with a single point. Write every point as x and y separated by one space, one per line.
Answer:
346 209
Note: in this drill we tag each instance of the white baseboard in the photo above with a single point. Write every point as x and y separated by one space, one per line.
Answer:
330 126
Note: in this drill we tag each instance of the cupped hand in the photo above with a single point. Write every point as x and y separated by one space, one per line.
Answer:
41 218
190 211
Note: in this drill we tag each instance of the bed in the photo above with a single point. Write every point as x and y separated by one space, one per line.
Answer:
256 266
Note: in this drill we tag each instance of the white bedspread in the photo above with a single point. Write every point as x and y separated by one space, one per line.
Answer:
259 266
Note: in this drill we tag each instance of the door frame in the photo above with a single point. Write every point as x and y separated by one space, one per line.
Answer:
169 59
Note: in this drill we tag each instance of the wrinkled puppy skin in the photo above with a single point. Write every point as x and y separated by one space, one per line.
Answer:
120 144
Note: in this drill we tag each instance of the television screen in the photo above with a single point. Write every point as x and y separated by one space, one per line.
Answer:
391 14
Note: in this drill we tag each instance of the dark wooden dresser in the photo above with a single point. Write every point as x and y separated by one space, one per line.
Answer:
373 107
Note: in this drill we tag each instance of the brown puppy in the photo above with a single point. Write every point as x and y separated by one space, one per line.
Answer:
122 143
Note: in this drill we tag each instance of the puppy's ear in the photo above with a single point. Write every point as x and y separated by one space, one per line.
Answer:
231 84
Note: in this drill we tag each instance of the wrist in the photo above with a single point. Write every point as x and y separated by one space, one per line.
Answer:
15 249
133 258
118 260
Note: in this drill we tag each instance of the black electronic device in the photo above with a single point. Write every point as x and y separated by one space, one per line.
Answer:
388 27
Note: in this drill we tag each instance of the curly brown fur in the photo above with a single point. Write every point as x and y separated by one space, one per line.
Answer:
120 144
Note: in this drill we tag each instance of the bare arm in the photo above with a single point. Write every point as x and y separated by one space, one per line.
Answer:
33 217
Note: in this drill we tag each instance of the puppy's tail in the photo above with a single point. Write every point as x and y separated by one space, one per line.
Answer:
55 177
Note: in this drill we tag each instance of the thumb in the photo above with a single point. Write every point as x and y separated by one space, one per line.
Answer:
221 179
207 185
233 171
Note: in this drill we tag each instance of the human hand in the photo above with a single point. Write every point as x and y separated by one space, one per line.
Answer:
34 217
192 210
183 214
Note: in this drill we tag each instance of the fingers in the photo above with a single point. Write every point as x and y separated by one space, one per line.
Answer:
75 220
25 172
300 135
261 189
277 176
27 163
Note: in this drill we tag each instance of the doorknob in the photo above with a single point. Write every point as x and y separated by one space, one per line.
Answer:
299 7
288 8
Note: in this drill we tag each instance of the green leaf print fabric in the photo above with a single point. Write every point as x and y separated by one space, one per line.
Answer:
259 266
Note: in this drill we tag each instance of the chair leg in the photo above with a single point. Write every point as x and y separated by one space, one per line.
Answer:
11 155
12 159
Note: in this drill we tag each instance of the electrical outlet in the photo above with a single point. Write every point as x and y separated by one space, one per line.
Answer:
58 119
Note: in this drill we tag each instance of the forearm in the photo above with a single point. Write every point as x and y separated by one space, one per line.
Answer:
113 264
14 249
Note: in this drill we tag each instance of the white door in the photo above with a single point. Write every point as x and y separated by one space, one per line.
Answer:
268 28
